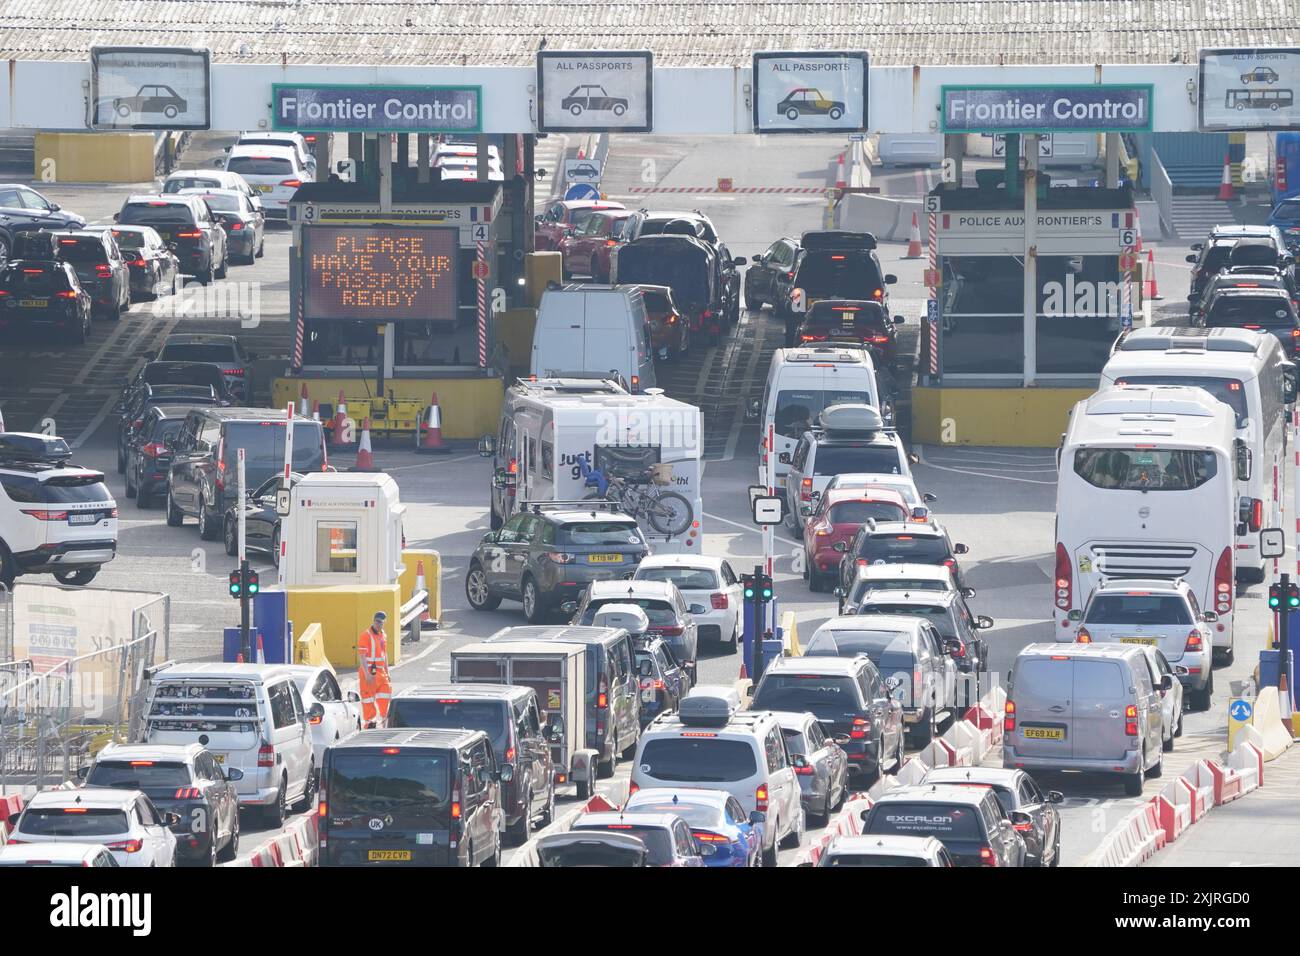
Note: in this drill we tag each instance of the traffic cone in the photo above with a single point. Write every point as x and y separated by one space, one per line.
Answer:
337 436
239 657
1150 290
744 674
840 182
365 455
303 400
429 437
1137 222
425 619
914 240
261 652
315 409
1225 184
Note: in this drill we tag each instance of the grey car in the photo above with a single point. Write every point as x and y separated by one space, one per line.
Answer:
671 618
546 557
1032 812
823 771
214 349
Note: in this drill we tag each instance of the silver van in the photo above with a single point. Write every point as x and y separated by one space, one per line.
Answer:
600 329
1089 707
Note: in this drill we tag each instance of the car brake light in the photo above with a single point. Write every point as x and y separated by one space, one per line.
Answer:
1083 637
1130 720
103 269
266 756
141 763
859 728
949 562
987 858
812 338
878 294
1064 579
455 809
295 183
705 837
41 515
805 489
1193 641
880 339
189 234
74 809
1256 514
127 846
805 771
1009 718
187 793
918 684
1295 333
67 294
602 695
862 562
720 601
760 798
322 809
1024 827
673 630
822 529
154 449
236 226
1223 583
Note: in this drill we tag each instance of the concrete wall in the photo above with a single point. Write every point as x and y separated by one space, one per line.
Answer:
883 218
1018 417
470 406
95 157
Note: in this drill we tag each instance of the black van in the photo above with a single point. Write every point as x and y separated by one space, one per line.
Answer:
613 685
204 470
411 798
510 716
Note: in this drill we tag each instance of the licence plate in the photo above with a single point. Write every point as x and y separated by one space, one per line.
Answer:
267 189
389 855
648 695
33 303
1044 733
1150 641
605 558
83 519
219 758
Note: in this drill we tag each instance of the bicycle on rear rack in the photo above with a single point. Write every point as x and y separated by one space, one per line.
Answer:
667 512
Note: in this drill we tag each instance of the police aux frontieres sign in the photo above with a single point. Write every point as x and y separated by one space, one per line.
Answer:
1101 108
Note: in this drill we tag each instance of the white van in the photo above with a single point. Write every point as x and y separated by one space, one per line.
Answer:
803 381
594 329
1247 371
248 716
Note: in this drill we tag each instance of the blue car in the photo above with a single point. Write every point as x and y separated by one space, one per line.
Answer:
1286 216
716 819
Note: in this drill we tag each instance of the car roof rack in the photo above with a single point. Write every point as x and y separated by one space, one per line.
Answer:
583 504
33 448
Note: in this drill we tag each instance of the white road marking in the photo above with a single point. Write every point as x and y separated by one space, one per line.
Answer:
432 460
735 524
981 474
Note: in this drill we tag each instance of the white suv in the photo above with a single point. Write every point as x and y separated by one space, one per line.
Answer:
846 438
55 518
274 171
125 821
712 744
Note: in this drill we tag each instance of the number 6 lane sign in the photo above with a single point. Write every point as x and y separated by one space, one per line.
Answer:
1127 238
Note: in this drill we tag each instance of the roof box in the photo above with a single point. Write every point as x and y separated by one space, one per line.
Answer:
837 239
627 616
850 418
709 705
31 446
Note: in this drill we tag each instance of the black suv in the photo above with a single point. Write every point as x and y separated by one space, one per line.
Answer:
848 697
833 264
100 268
508 715
1209 257
856 321
546 556
968 821
199 383
1249 277
897 542
38 293
148 454
201 482
767 280
189 224
411 798
1267 310
22 209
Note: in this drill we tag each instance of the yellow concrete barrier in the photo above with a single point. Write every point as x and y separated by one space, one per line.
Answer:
94 157
514 332
1021 417
470 406
541 268
790 628
309 648
343 612
432 578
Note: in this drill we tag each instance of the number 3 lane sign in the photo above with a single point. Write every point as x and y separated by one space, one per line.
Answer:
1127 238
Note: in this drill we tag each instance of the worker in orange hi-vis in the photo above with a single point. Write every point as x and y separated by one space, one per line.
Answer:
372 668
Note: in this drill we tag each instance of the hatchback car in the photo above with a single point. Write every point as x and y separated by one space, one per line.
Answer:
545 558
57 854
969 821
149 453
670 617
587 848
852 320
261 520
244 223
708 582
38 294
100 269
947 611
885 851
666 835
767 280
153 266
210 179
835 519
670 332
900 543
125 821
204 388
276 172
1032 812
566 218
1171 697
339 714
897 577
1155 613
220 350
586 250
1268 310
824 770
716 820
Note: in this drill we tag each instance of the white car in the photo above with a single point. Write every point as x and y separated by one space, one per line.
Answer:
210 179
274 171
905 485
57 854
295 141
885 851
1171 700
899 577
125 821
340 715
707 581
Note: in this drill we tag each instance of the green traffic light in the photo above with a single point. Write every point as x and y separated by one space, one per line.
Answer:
1274 603
1293 601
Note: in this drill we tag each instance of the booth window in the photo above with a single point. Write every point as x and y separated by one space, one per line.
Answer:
548 460
336 547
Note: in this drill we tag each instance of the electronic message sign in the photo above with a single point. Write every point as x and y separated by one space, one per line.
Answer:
380 273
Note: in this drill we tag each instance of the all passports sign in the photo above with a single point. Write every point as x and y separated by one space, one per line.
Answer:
1097 108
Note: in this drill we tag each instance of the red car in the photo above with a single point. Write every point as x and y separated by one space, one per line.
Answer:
670 332
586 252
563 218
836 519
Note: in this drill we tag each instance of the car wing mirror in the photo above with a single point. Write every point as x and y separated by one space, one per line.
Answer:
798 760
1209 617
984 622
1075 615
842 739
968 593
841 547
698 609
83 772
929 497
784 458
890 279
234 774
487 446
756 817
752 409
899 320
570 607
170 818
739 261
507 772
960 549
864 814
316 711
1191 258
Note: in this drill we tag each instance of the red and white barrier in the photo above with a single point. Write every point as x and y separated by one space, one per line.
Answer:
9 806
1200 783
1137 838
298 845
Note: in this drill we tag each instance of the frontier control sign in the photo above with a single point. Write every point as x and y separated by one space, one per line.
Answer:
377 109
380 273
1099 108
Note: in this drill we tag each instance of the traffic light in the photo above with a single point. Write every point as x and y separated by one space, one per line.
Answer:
764 584
251 584
1293 595
236 586
748 581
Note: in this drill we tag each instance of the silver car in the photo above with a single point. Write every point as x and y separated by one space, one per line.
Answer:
1154 613
222 350
1171 700
824 770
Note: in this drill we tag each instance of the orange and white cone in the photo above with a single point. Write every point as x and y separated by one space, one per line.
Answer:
1149 288
365 454
239 657
425 619
429 438
840 182
303 401
1225 184
339 433
261 651
315 409
914 240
